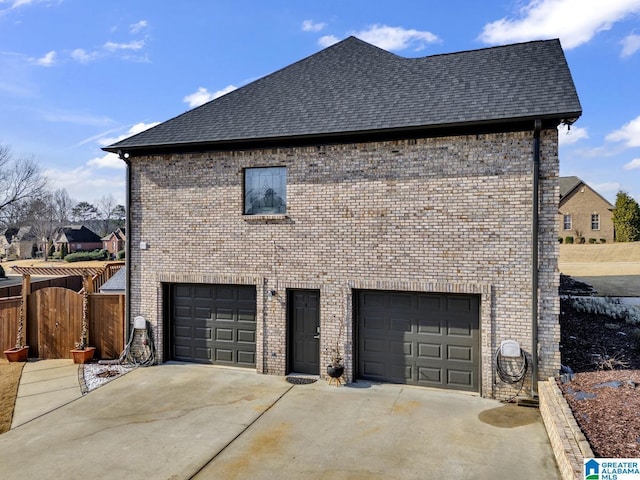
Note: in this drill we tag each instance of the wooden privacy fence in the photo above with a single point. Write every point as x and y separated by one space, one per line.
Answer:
54 323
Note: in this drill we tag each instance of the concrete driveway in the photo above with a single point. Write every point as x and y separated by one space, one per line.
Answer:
178 421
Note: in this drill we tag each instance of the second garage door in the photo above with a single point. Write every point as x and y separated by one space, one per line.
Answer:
214 324
419 338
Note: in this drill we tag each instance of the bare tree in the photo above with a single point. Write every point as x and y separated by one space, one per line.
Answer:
63 205
20 181
111 214
41 215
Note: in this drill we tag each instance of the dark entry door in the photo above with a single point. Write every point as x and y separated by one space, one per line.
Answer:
304 324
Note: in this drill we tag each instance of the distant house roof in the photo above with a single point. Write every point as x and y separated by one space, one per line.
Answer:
354 88
118 234
570 184
78 234
115 283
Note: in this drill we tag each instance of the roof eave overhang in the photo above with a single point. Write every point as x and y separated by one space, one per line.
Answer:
452 129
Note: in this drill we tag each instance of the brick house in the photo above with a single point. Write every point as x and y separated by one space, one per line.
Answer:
17 242
114 242
360 199
583 212
77 238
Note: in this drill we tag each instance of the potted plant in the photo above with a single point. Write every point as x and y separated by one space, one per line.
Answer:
20 351
83 353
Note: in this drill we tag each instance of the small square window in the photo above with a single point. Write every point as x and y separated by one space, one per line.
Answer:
567 222
595 221
265 191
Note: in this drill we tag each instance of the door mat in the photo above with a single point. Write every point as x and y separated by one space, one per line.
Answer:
301 380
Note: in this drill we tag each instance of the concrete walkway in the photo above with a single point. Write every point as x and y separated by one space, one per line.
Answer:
45 385
184 421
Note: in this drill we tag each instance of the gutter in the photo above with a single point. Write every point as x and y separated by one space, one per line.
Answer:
534 258
127 245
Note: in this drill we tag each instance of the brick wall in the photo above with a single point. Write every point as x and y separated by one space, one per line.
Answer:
450 214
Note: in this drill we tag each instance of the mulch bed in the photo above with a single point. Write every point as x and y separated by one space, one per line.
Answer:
605 392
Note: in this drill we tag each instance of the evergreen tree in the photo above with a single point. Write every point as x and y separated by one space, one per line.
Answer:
626 218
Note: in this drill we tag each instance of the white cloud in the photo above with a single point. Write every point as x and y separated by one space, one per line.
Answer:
574 21
138 27
568 136
396 38
133 45
47 61
630 45
328 40
628 133
633 164
311 26
87 183
109 160
202 95
133 130
83 56
606 189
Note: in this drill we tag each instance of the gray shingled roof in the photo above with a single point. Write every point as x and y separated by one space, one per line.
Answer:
116 283
567 185
355 87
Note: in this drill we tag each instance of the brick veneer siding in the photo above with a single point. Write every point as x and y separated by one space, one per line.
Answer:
448 214
580 204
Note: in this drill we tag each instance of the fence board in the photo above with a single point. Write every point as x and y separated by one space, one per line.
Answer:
9 311
72 282
106 324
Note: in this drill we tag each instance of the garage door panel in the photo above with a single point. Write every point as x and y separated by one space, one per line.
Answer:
430 375
374 345
400 348
459 304
372 322
420 339
460 329
399 373
224 355
460 378
224 335
430 326
246 358
213 323
430 351
429 303
459 353
400 324
374 369
246 336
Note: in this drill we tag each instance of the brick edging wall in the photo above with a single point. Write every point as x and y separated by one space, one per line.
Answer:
568 442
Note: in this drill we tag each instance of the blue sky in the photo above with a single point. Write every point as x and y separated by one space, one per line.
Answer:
76 75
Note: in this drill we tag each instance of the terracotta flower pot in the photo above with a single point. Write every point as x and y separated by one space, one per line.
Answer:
17 354
83 356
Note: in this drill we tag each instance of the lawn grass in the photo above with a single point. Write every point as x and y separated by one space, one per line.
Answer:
10 373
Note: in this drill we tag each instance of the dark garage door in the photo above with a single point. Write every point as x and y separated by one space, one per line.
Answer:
419 339
214 324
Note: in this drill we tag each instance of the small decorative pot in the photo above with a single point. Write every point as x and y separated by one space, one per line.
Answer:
335 372
17 354
83 356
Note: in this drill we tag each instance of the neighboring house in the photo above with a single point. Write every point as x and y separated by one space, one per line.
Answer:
77 238
358 198
17 242
583 213
114 242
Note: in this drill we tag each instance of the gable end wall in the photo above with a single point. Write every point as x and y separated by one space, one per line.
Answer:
450 214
